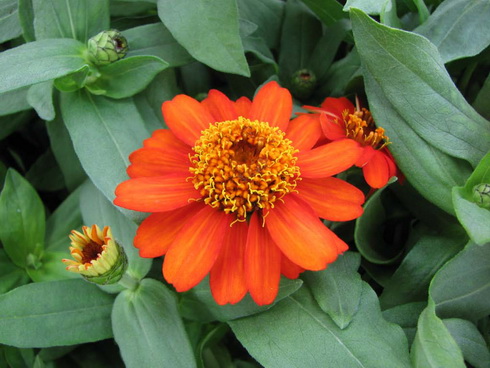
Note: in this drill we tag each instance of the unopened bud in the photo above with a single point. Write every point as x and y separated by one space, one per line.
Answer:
107 47
303 83
481 195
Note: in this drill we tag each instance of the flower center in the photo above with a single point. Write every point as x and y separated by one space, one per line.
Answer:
360 127
241 166
91 252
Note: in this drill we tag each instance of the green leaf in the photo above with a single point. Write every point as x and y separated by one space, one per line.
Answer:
40 97
60 310
329 11
198 303
434 346
462 288
22 222
51 267
418 90
9 20
341 74
19 358
410 282
73 81
26 19
11 123
156 40
11 276
208 30
337 289
406 316
307 337
126 77
14 101
96 209
470 341
473 217
45 174
104 132
458 28
77 19
150 312
39 61
480 104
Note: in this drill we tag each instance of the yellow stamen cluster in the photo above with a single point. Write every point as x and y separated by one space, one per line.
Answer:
241 165
360 127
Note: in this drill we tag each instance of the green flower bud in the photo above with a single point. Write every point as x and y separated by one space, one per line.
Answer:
303 83
481 195
96 256
107 47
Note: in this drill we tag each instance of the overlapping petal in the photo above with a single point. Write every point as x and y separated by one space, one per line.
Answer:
220 106
378 170
304 131
147 162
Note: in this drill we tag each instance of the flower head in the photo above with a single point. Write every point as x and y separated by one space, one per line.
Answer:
107 46
481 195
236 190
340 119
96 256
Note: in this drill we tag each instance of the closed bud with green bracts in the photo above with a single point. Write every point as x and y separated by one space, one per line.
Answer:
107 47
303 82
481 195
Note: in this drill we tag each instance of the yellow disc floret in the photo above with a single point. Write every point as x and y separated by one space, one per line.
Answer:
360 127
241 165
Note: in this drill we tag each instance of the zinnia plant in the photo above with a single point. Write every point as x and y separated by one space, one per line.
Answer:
238 190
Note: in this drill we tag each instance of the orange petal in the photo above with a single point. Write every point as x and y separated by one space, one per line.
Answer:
304 131
157 162
165 140
243 106
289 269
272 104
331 198
377 170
262 263
195 249
338 105
300 235
157 232
186 117
227 277
155 194
220 106
333 129
329 159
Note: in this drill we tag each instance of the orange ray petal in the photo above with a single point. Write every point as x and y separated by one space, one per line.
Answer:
165 140
195 249
262 263
272 104
227 277
186 117
333 129
304 131
157 232
301 236
289 269
243 106
329 159
377 171
155 194
220 106
156 162
331 198
338 105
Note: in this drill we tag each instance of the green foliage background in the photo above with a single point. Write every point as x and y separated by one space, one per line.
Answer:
412 291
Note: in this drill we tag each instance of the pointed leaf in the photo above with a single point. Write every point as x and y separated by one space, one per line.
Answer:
9 20
329 11
40 97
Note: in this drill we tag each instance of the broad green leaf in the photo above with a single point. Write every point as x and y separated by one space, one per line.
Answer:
406 316
65 155
104 132
11 276
209 31
96 209
150 313
198 303
22 222
480 104
337 289
39 61
156 40
474 218
410 282
417 88
462 288
470 341
297 333
458 28
51 268
14 101
329 11
127 76
77 19
19 358
56 317
45 174
40 97
434 346
9 20
373 7
26 19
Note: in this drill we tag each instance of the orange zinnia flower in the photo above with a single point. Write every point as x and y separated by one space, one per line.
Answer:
340 119
235 193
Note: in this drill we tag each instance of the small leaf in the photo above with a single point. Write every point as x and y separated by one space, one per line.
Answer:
9 20
329 11
74 81
337 289
406 316
208 30
22 222
11 276
150 312
40 97
45 174
55 320
51 268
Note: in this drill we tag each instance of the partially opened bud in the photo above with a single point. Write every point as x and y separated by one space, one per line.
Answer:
96 256
481 195
107 47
